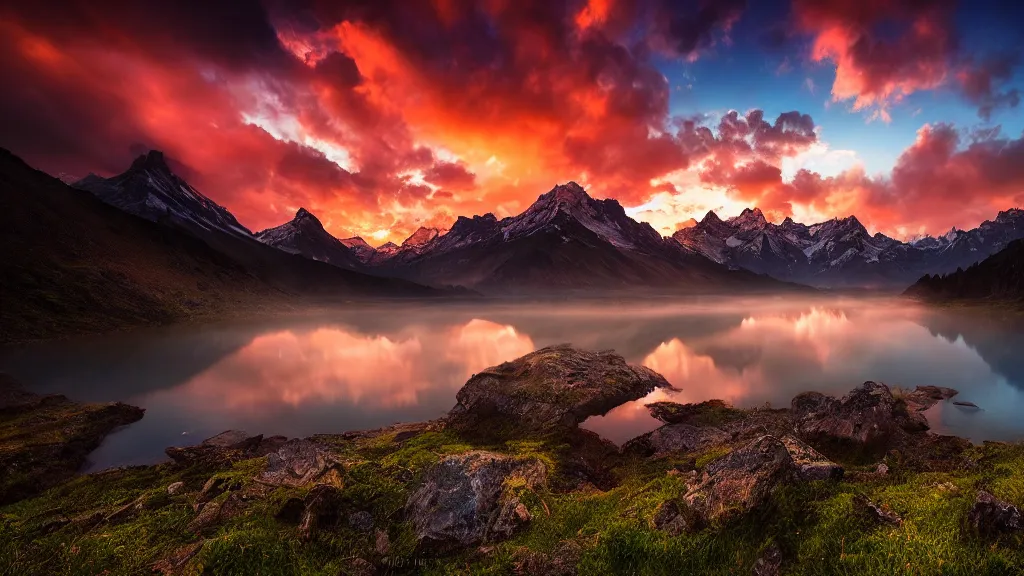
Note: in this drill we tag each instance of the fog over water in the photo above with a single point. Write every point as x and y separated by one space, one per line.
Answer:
335 370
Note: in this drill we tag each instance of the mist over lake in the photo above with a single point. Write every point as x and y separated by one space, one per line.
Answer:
335 370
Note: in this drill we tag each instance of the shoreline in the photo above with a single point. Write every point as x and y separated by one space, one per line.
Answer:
845 479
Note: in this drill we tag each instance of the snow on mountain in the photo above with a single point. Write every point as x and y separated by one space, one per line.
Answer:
840 251
606 218
305 235
360 248
150 189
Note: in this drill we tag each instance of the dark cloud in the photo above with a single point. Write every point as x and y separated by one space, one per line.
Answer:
450 175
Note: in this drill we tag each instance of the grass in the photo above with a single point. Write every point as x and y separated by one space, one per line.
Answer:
817 526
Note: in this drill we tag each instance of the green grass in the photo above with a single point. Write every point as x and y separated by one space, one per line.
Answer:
817 526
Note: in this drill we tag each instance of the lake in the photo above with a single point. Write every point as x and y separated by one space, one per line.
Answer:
335 370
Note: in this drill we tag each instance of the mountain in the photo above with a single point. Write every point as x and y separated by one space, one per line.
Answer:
566 240
998 277
71 263
362 250
841 252
305 235
150 189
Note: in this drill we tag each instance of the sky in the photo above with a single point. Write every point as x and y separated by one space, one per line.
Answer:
381 116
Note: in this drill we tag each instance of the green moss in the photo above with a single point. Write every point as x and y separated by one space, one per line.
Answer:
818 526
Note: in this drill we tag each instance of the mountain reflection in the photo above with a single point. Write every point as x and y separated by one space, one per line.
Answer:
366 367
336 365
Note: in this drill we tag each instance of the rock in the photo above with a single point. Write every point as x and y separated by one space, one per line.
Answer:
769 563
678 438
924 397
463 501
557 386
177 561
215 512
215 486
296 463
810 464
965 404
878 514
709 413
126 511
742 479
53 437
322 510
882 469
675 518
361 521
866 415
989 515
175 488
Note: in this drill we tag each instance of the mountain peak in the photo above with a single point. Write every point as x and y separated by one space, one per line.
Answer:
422 236
302 214
710 218
749 218
568 193
152 160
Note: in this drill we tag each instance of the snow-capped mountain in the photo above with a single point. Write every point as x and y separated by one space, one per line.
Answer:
305 235
150 189
841 252
360 248
564 240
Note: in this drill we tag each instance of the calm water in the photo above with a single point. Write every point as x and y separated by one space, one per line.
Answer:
369 367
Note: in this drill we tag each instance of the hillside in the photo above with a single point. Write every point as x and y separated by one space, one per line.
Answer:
998 277
69 263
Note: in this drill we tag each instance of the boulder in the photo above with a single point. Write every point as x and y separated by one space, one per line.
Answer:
175 488
557 386
868 414
742 479
298 462
678 439
224 448
466 499
361 521
810 464
990 515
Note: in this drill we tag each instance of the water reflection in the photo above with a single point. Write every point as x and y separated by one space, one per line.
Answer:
368 367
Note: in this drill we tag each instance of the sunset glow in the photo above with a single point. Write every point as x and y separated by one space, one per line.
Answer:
383 119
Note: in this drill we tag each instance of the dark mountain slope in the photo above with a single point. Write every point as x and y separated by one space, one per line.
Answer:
70 263
998 277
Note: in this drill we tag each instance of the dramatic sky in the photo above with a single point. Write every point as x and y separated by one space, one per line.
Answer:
383 115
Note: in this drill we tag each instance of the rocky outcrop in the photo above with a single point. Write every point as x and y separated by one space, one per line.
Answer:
224 448
45 440
471 498
990 515
869 414
298 462
708 413
742 479
677 439
745 477
554 387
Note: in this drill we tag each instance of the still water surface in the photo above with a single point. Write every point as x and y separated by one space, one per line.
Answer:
350 369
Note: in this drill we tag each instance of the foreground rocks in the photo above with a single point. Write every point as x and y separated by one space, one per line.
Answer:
44 440
471 498
869 414
990 515
554 387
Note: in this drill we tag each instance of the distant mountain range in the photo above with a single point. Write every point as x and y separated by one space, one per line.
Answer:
841 252
567 240
998 277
